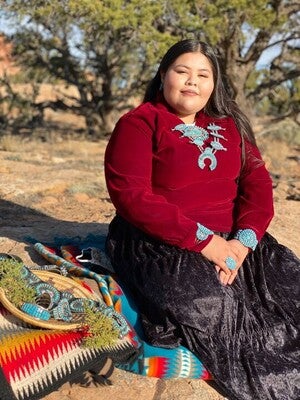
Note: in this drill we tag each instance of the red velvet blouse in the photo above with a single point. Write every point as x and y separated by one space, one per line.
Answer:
156 180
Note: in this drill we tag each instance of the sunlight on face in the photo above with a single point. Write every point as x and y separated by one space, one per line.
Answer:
188 85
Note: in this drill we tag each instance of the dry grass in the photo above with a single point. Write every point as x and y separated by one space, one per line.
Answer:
11 143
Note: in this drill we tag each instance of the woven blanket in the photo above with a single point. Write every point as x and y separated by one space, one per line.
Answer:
35 362
153 361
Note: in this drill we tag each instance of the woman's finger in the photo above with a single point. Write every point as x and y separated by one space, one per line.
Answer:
232 277
224 278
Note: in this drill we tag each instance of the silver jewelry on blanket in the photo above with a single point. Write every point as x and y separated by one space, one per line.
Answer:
36 311
62 312
247 237
61 269
202 232
230 262
199 136
54 295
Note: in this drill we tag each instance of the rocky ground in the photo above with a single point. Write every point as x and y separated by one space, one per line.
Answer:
57 188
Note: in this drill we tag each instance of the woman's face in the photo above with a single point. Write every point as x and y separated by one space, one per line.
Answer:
188 85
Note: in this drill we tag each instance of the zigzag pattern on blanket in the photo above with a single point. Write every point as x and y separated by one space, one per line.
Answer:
34 362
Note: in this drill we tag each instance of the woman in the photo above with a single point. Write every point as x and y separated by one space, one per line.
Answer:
193 201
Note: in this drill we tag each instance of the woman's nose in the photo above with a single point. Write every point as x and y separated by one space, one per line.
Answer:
191 81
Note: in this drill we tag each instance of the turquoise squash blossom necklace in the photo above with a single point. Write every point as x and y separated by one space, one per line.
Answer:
198 136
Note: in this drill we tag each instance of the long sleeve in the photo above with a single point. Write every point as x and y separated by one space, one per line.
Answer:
128 172
254 204
170 186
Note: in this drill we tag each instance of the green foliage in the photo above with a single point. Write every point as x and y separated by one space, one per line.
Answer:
283 101
101 331
222 18
13 285
109 49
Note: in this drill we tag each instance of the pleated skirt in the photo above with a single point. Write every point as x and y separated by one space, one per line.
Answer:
246 334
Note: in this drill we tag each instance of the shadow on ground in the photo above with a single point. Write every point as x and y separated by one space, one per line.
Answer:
27 225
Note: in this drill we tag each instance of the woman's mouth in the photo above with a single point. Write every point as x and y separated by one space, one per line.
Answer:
189 93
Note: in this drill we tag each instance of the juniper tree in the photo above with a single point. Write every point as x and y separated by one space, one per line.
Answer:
109 49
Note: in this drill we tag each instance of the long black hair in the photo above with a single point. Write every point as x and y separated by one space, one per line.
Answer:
220 103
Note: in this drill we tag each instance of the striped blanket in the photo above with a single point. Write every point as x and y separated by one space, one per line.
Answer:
35 361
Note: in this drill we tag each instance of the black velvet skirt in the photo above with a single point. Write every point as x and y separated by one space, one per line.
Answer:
246 334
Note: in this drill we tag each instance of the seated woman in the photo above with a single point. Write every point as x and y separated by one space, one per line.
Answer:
193 202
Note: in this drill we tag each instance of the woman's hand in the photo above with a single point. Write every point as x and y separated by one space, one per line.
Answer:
218 249
241 251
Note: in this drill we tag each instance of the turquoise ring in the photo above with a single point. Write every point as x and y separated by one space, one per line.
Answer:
230 262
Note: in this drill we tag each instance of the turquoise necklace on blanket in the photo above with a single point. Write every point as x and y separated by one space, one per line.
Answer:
198 136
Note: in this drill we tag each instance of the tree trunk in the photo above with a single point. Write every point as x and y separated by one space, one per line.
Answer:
98 125
237 76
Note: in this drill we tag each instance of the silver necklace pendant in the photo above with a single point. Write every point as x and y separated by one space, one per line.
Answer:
198 136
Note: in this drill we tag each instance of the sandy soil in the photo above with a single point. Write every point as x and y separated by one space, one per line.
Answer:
57 188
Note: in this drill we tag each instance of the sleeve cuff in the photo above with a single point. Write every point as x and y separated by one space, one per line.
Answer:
247 237
202 232
198 238
203 237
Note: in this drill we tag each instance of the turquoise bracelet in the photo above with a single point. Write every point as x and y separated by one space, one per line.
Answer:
203 232
35 311
247 237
